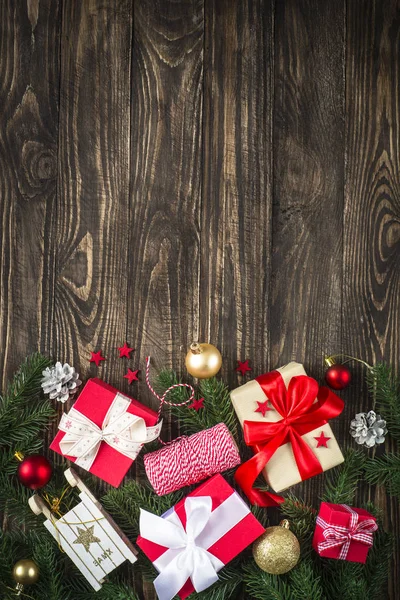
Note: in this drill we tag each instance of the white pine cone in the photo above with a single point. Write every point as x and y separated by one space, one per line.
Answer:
368 429
60 382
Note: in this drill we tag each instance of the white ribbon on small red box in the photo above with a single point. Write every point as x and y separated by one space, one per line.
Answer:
337 535
187 555
121 430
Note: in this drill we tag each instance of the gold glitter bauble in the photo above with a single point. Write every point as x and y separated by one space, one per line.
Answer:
203 360
25 572
277 550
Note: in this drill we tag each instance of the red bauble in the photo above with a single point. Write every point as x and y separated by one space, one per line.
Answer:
338 377
34 471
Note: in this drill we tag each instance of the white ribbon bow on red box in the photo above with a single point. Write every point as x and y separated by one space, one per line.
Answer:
121 430
187 555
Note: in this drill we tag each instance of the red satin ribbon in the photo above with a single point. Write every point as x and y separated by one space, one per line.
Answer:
300 414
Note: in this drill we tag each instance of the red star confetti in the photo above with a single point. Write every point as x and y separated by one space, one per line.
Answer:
125 351
262 407
197 404
322 440
132 375
243 367
96 357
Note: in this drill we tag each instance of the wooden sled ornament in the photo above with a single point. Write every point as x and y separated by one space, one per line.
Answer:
87 534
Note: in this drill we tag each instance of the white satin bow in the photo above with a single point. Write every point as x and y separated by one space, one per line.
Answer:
121 430
187 555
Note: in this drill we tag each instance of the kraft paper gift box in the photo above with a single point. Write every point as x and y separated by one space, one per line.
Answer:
231 528
281 470
344 532
115 427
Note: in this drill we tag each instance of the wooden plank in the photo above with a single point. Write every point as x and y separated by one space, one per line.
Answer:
29 82
90 235
236 207
372 207
308 187
167 78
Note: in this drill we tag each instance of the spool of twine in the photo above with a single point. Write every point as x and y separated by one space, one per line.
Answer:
189 460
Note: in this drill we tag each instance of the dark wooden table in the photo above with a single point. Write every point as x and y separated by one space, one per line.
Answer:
221 170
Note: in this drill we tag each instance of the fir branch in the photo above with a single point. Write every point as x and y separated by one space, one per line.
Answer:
305 582
14 502
385 389
229 583
342 481
125 503
384 470
344 580
263 586
378 562
23 413
217 404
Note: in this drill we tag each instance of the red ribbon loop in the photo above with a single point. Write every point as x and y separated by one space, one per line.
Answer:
300 414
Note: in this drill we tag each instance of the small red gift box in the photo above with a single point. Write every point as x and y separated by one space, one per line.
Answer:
231 528
343 532
106 431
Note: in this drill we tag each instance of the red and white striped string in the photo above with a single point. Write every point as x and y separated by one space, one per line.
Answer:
188 460
337 535
162 399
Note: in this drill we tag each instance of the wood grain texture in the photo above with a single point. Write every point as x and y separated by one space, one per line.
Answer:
29 82
371 285
236 207
167 76
308 186
226 171
90 232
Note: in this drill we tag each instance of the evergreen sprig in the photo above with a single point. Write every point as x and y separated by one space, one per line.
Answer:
384 470
24 412
263 586
384 387
342 481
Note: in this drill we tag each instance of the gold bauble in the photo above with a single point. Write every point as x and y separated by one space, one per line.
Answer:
277 550
25 572
203 360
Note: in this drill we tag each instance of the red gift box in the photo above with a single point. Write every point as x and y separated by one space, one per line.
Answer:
94 402
229 545
344 532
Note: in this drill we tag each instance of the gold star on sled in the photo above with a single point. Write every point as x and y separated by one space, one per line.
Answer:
86 537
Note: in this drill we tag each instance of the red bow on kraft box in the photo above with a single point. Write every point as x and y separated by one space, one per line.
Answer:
343 532
300 413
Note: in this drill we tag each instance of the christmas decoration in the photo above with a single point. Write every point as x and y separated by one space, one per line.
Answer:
189 460
34 471
125 351
25 572
104 431
262 407
322 440
197 404
338 376
368 429
28 537
190 543
96 358
203 360
87 534
243 367
284 438
277 551
131 376
60 382
343 532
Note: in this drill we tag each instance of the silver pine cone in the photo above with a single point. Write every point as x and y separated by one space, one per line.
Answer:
60 381
368 429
